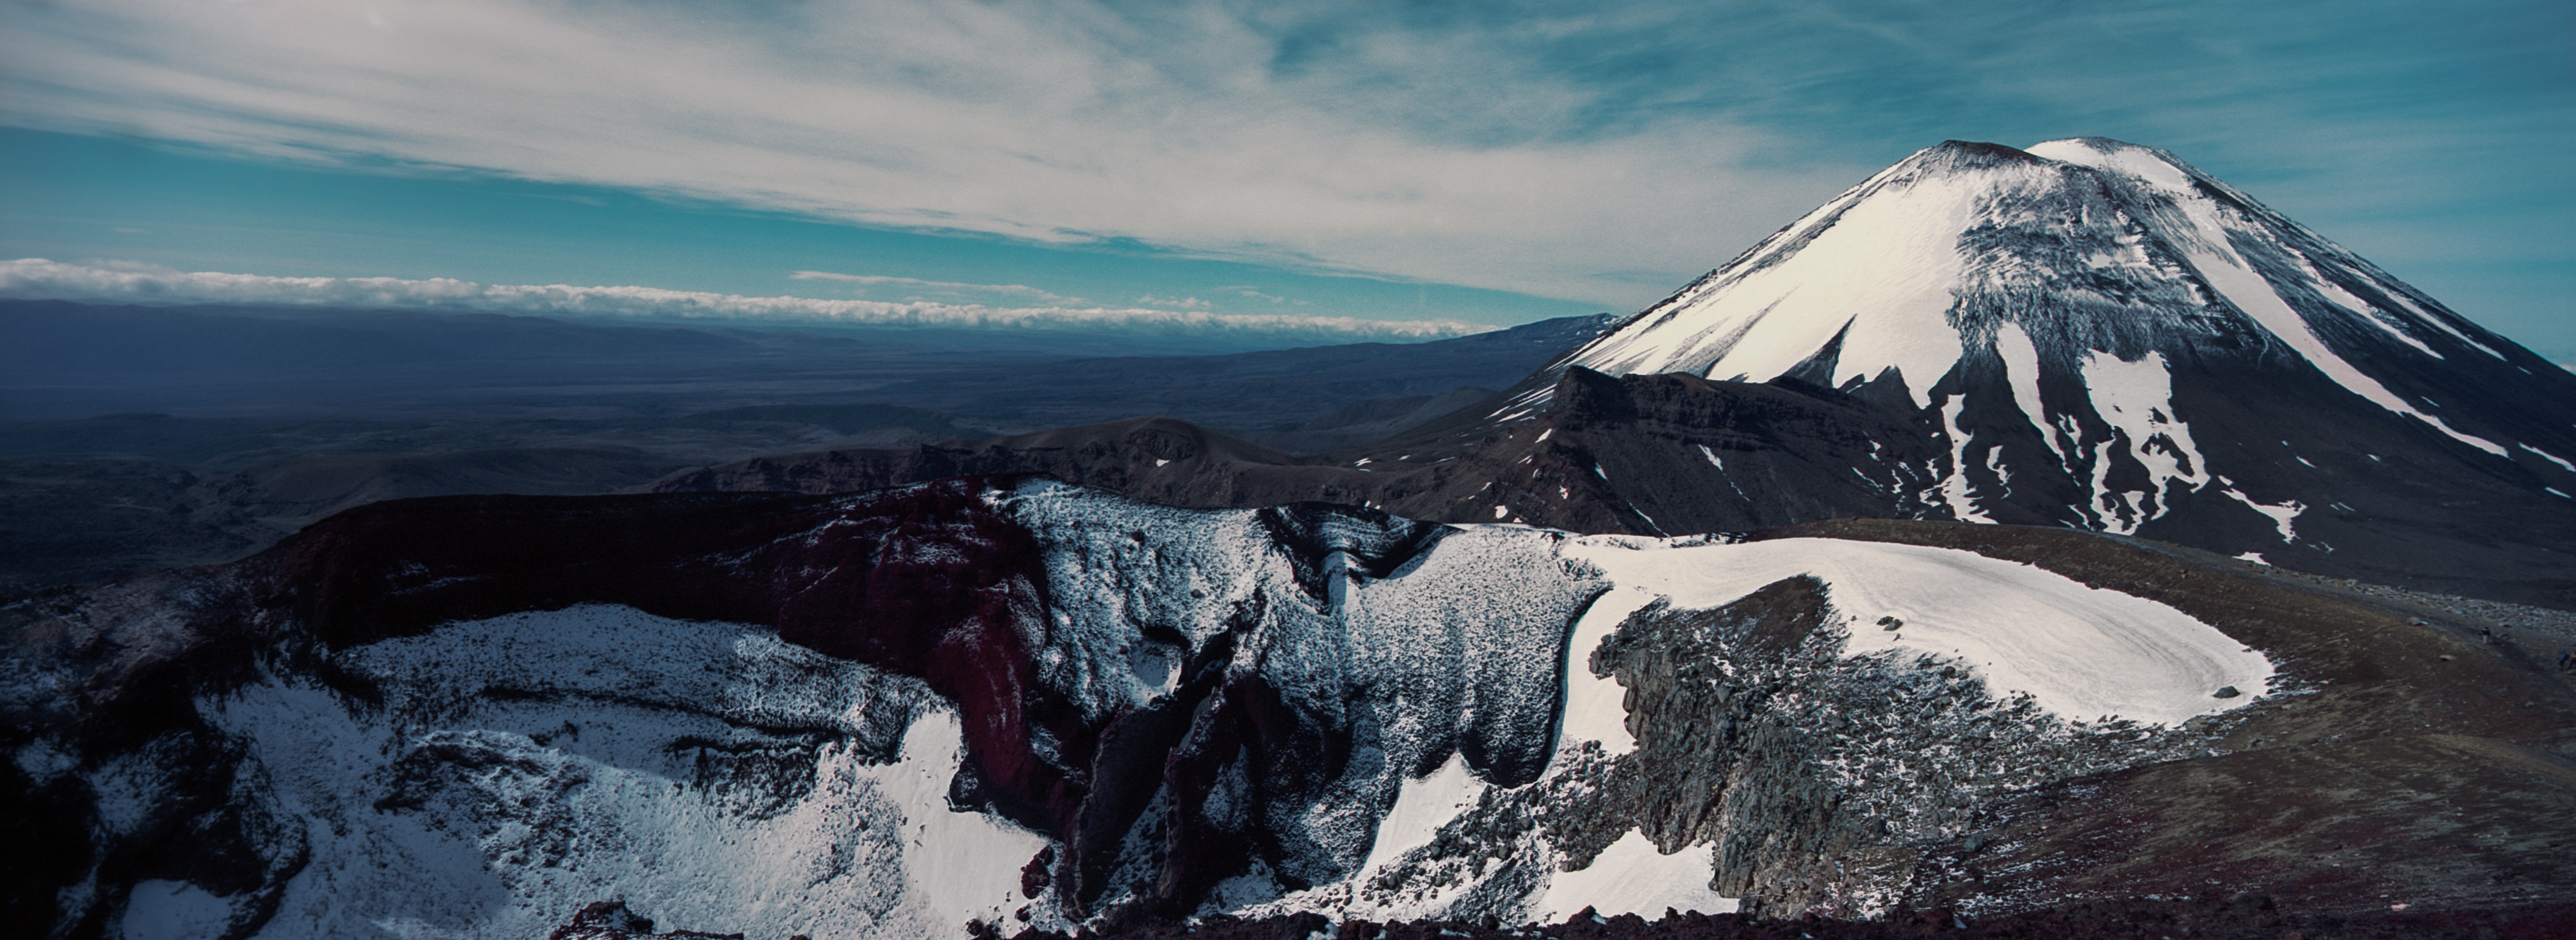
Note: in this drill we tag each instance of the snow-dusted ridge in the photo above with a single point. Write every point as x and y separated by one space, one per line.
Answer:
2080 653
455 812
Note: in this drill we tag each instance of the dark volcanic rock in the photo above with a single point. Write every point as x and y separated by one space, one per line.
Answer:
610 920
1644 454
2481 818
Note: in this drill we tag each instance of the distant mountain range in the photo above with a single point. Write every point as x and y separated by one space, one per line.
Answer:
135 438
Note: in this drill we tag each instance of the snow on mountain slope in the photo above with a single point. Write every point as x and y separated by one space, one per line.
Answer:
2081 242
2190 218
470 717
1868 276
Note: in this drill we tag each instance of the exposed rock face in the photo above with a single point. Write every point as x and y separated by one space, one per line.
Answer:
986 700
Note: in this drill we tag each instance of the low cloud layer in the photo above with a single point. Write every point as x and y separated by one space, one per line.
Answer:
914 283
132 283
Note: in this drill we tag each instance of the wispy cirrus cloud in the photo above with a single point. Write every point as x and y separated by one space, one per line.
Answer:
126 282
1199 129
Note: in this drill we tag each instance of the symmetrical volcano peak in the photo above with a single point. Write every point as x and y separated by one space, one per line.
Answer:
2065 318
2084 244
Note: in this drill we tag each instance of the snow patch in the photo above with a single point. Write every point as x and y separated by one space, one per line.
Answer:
2021 371
174 910
1422 806
1595 706
1956 491
2253 295
2136 399
1631 877
2552 458
2282 515
963 865
2397 294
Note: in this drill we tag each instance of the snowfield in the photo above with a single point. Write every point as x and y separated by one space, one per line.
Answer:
453 813
2081 653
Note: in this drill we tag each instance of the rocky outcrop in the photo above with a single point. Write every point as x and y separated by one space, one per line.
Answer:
610 920
1650 455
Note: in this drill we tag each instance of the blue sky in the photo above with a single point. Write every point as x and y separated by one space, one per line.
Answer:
1484 163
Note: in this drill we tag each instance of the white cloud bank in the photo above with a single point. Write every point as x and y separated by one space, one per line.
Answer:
133 283
884 280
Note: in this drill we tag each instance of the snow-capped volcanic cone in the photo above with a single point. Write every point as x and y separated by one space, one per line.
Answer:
2096 334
